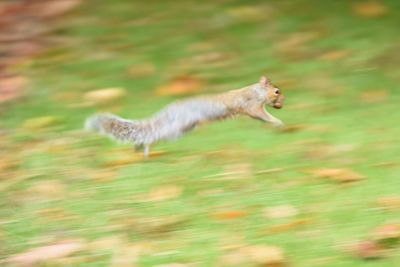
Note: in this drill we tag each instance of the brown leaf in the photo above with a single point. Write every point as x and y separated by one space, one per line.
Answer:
338 175
49 189
370 9
368 250
162 193
249 12
47 253
376 96
265 255
234 258
53 8
142 70
11 87
230 215
334 55
174 265
284 227
104 96
387 235
390 203
292 128
282 211
181 86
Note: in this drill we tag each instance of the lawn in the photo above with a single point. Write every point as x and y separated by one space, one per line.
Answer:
200 200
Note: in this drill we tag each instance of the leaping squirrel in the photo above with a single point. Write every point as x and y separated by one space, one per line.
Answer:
183 116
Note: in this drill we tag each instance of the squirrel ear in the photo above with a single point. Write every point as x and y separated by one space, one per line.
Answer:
264 80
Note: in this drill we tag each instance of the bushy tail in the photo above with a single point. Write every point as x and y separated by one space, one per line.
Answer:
108 124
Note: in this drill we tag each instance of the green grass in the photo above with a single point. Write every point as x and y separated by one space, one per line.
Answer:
341 129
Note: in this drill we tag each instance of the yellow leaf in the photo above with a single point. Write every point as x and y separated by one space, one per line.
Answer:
370 9
40 122
282 211
104 96
376 96
389 202
163 193
334 55
339 175
266 255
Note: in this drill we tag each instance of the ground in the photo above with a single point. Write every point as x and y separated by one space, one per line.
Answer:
202 197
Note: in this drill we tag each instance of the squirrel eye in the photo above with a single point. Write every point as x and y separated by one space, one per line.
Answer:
277 91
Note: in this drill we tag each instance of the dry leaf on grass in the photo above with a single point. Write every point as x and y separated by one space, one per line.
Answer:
370 9
284 227
265 255
53 8
49 189
47 253
142 70
230 215
40 122
104 96
390 203
162 193
282 211
181 86
11 87
338 175
334 55
387 235
368 250
376 96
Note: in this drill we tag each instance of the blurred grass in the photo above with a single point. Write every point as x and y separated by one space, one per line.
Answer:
289 41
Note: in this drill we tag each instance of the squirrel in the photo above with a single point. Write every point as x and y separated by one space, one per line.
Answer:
183 116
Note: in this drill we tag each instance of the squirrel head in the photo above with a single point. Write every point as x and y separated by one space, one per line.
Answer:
269 94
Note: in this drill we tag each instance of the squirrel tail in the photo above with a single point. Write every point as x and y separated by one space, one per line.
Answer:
115 127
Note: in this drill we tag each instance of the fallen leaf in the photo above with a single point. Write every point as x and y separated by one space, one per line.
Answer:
237 171
284 227
104 96
368 250
338 175
48 253
234 258
49 189
376 96
370 9
387 235
11 87
390 203
173 265
181 86
265 255
230 215
40 122
250 12
282 211
53 8
292 128
142 70
334 55
162 193
126 256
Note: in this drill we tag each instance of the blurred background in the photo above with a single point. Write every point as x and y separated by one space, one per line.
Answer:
323 191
